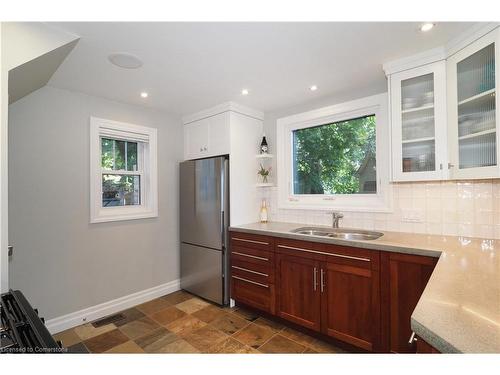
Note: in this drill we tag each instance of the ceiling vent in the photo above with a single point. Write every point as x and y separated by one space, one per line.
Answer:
125 60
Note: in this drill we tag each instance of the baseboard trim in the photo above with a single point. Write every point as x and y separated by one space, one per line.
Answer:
99 311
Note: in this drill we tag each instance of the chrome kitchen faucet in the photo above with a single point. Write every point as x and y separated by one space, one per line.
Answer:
336 216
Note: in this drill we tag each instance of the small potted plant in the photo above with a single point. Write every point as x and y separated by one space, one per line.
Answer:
264 173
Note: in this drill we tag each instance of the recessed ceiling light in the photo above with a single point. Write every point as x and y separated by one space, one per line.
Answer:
426 26
144 94
125 60
313 88
244 92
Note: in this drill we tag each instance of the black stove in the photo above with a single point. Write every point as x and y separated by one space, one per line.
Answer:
21 329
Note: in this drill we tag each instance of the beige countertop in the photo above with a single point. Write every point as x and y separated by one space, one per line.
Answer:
459 310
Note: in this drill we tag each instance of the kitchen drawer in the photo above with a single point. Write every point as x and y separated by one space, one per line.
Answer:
252 241
254 256
258 295
252 271
304 249
352 256
345 255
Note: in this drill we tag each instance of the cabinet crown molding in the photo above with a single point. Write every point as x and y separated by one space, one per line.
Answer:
410 62
224 107
430 56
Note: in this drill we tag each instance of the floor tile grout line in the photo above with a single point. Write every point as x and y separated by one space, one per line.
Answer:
225 310
269 339
241 329
250 323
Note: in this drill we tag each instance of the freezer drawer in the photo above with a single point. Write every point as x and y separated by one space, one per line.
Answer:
201 272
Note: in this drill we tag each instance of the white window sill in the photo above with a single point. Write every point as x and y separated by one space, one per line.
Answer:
123 217
334 207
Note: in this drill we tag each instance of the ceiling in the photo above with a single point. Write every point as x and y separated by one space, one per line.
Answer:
192 66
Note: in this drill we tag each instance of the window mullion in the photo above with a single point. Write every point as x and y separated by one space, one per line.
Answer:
114 154
126 156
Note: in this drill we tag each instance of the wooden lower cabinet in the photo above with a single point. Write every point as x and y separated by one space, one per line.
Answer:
299 291
406 277
252 271
425 348
330 289
362 297
351 304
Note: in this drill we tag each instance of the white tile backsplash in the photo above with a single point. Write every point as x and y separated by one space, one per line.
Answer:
466 208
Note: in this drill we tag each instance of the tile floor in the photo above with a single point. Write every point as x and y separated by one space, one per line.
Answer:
182 323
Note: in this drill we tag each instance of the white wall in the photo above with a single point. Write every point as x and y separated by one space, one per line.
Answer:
61 262
25 41
468 208
20 42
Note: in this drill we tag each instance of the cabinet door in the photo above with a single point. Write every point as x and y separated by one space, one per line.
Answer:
196 139
418 101
350 303
298 290
473 109
408 276
218 134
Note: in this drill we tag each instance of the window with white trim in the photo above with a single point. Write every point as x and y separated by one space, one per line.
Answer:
336 158
123 173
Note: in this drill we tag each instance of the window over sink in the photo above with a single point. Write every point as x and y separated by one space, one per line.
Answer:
123 171
336 157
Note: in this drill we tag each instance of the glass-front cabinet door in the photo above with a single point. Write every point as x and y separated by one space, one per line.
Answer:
418 102
473 109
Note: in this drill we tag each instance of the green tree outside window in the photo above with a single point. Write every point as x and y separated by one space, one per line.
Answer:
336 158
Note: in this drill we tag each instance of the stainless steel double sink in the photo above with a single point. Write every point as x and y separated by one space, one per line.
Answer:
340 233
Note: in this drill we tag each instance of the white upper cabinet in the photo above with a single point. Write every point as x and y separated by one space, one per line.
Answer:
195 139
473 125
207 137
418 113
444 111
219 134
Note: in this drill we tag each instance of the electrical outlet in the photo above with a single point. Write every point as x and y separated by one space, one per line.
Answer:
412 216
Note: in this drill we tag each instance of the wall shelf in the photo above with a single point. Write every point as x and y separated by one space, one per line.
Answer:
262 184
264 156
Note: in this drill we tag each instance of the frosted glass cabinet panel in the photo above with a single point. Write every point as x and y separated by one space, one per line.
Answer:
473 109
418 101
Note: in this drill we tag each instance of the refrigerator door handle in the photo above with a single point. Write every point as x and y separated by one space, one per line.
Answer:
223 230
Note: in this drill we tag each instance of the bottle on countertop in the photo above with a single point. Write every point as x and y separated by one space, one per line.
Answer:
263 212
263 145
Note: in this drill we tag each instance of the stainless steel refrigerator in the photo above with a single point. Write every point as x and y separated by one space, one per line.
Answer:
204 219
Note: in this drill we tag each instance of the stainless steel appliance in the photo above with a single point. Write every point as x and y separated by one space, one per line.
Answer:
204 219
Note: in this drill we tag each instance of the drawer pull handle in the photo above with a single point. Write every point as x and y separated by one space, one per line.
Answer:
249 281
251 241
250 256
315 278
413 338
323 253
247 270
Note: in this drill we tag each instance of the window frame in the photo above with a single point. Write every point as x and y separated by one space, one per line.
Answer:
146 139
381 201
